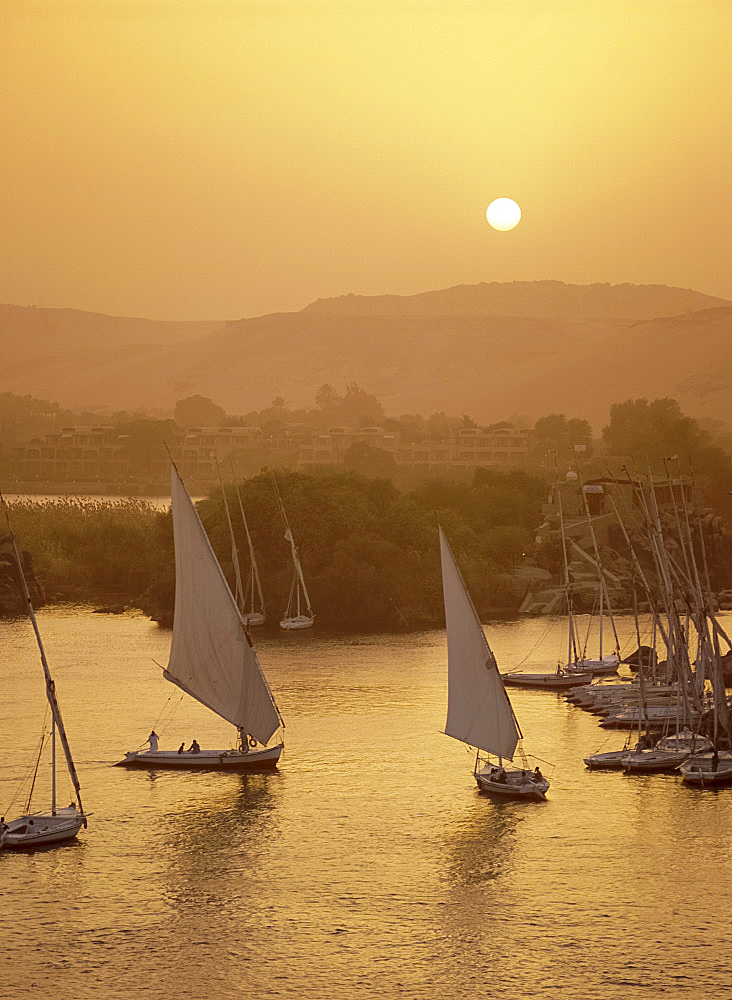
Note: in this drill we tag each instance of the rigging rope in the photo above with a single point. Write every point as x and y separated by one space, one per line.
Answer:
162 722
31 766
541 638
35 774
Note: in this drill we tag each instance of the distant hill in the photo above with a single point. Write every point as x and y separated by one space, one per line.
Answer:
34 338
549 299
488 350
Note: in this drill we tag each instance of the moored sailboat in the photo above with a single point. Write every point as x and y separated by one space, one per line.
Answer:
572 674
212 657
252 605
299 614
479 711
60 823
251 601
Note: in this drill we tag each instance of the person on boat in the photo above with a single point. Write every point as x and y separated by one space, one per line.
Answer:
153 741
538 776
715 759
500 776
194 747
182 747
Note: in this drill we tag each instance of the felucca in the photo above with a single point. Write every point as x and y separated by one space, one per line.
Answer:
295 617
564 677
61 823
212 657
479 712
251 601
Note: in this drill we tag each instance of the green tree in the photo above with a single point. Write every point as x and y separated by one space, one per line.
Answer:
441 427
198 411
413 428
366 460
558 434
146 441
327 399
359 408
652 430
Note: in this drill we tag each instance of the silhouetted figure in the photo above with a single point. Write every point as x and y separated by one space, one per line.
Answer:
181 748
194 747
537 774
715 759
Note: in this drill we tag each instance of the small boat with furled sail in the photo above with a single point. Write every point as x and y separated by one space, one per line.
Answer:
59 823
212 657
479 712
250 600
299 614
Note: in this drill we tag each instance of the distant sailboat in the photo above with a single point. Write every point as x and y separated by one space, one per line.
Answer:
251 601
479 712
253 611
299 614
571 674
61 823
212 657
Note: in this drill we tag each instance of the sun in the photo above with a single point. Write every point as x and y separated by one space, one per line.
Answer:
503 214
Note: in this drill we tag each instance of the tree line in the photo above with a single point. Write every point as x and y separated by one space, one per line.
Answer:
369 551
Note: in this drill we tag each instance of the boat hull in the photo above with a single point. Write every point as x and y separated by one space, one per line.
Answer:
42 829
700 771
206 760
516 786
296 624
549 682
654 761
601 667
610 761
254 620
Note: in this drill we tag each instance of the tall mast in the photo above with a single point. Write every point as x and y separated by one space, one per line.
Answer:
53 765
239 597
254 570
567 587
50 686
602 587
596 548
299 578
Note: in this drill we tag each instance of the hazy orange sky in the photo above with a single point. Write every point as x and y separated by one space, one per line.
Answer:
225 158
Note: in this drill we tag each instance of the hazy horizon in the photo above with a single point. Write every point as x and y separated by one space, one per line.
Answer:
350 294
183 160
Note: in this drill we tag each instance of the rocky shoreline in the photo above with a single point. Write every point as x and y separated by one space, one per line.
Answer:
12 601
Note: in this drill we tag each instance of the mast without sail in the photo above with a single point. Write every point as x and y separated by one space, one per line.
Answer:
254 581
479 712
50 684
212 657
298 578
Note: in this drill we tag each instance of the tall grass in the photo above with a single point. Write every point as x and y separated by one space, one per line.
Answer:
89 549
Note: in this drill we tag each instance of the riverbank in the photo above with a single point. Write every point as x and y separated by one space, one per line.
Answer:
369 552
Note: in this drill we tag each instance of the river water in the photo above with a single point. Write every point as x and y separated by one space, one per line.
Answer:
368 865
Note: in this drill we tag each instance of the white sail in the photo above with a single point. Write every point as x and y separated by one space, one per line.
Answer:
478 710
212 657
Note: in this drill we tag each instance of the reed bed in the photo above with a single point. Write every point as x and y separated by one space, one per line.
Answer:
88 549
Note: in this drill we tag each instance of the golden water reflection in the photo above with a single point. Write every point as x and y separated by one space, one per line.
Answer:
369 864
